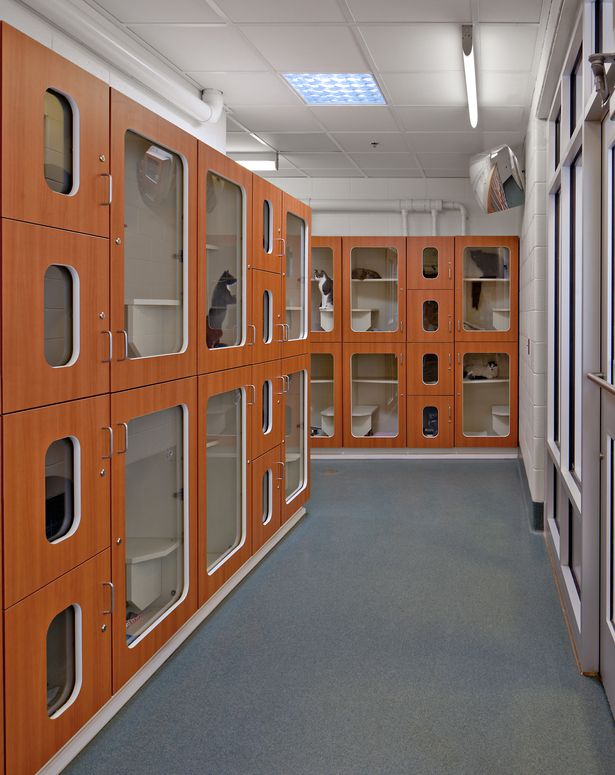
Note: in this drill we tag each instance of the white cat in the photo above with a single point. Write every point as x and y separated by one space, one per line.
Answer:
482 371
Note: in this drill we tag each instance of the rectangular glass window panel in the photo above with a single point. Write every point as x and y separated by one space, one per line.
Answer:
295 447
322 415
431 267
430 422
225 263
375 395
59 315
430 316
154 250
575 533
374 289
486 394
556 319
322 290
267 496
225 476
60 504
58 142
575 376
486 289
295 279
267 226
430 369
576 91
155 513
61 660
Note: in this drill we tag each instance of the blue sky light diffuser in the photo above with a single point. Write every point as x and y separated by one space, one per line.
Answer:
336 88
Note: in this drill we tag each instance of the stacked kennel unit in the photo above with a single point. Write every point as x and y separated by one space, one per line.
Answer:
419 347
154 387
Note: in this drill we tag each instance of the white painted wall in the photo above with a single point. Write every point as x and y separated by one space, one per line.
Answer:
389 224
33 25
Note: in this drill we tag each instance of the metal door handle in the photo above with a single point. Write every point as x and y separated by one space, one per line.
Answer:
110 455
287 330
124 334
450 414
450 324
112 588
286 380
251 403
283 467
401 359
283 329
283 241
401 326
450 361
110 335
125 427
450 271
459 325
110 190
253 328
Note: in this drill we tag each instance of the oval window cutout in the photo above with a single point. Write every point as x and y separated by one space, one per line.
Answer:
58 124
59 315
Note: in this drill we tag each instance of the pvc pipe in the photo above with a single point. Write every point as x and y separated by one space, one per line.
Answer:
92 30
404 223
434 223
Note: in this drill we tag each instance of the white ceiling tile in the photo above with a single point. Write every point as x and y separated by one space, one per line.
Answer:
405 11
287 173
360 118
242 142
280 119
434 119
248 88
385 160
444 142
507 11
445 161
439 88
357 142
307 48
351 172
494 139
415 47
281 11
232 126
501 119
306 161
507 47
429 173
299 142
393 173
503 88
150 12
214 47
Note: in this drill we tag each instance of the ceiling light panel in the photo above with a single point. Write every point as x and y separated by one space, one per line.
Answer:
336 88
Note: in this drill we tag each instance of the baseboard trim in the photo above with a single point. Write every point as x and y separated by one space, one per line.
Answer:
535 510
478 453
89 731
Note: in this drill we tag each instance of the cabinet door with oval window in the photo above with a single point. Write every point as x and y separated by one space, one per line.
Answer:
56 337
225 229
431 263
153 247
296 408
55 139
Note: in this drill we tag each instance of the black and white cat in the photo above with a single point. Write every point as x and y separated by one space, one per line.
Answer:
325 285
220 300
481 371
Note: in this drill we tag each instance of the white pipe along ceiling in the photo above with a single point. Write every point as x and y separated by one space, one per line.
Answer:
401 206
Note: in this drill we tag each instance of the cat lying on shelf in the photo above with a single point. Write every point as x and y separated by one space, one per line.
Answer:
325 285
360 273
221 298
481 371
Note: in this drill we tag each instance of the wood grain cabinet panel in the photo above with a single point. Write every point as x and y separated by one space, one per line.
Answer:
153 247
154 519
266 503
431 421
56 342
326 323
431 316
374 299
225 241
295 444
267 241
431 369
296 236
326 396
225 530
267 424
431 263
55 139
57 662
57 491
267 330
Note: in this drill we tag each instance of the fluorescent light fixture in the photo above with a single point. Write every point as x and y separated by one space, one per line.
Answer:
336 88
469 67
256 161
